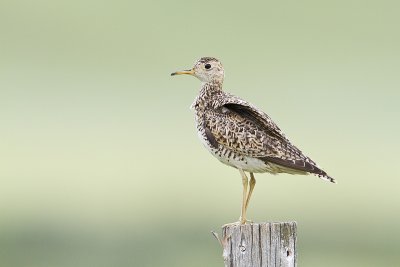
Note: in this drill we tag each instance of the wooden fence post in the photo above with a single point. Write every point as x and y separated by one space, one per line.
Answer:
268 244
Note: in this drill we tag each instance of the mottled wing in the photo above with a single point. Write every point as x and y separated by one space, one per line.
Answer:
242 128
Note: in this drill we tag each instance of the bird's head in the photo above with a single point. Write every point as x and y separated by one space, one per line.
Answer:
206 69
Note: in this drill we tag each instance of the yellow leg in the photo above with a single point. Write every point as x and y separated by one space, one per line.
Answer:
252 185
245 182
246 197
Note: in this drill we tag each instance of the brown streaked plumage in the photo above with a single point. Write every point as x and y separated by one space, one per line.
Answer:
241 135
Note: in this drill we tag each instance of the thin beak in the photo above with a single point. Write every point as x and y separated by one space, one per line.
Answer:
190 72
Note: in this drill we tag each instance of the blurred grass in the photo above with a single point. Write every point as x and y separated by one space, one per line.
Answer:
175 245
100 163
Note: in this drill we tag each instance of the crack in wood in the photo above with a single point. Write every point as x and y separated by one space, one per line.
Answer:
268 244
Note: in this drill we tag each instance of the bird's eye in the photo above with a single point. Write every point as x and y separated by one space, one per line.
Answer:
207 66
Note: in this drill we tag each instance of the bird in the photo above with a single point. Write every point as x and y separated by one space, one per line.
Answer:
241 135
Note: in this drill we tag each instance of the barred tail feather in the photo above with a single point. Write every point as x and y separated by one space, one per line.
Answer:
326 177
306 165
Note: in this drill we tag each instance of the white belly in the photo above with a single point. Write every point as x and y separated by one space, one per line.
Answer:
247 163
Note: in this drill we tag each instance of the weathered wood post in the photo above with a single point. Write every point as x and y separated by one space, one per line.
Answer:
268 244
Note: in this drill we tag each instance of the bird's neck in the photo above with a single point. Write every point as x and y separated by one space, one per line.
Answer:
206 95
208 89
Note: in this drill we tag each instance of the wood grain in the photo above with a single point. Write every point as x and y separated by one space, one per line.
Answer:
269 244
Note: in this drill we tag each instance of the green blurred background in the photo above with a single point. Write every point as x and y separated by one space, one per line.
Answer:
100 162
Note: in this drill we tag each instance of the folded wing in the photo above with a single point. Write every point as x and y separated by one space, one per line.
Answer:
242 128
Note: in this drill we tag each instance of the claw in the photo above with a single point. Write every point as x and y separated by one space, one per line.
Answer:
240 222
232 224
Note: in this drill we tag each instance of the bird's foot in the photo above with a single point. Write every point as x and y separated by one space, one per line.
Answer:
244 220
231 224
241 221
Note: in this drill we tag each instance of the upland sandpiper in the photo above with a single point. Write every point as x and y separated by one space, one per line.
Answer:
240 135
